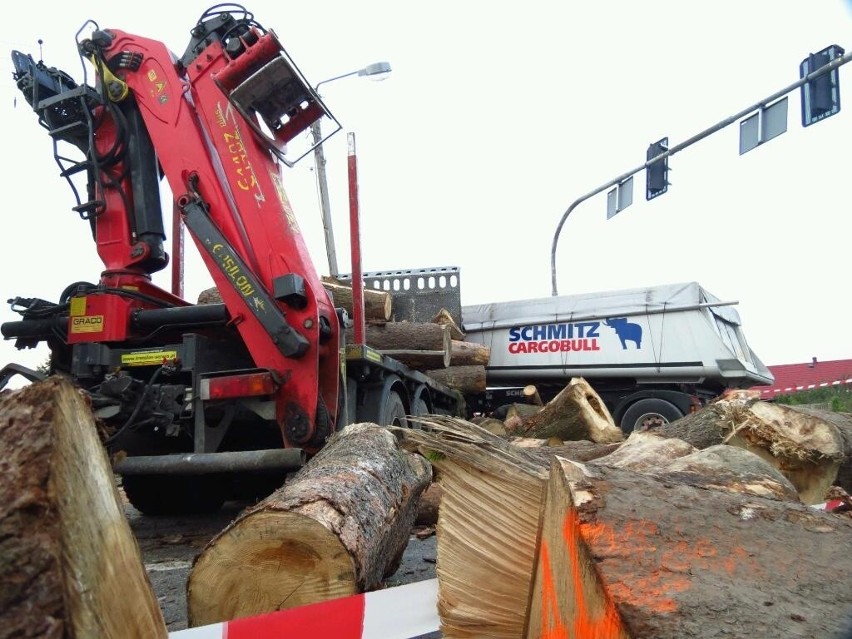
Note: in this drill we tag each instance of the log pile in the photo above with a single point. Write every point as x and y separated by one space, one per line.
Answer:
708 530
655 539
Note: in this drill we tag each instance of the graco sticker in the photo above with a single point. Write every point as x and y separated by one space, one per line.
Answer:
87 324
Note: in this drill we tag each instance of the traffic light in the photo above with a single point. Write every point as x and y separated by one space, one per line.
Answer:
657 174
820 96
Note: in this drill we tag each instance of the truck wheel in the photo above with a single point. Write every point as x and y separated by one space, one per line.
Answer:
647 413
394 411
174 495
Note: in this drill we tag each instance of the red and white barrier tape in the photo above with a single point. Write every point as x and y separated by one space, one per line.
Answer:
401 612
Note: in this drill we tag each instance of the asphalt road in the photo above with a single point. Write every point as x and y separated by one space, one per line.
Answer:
170 544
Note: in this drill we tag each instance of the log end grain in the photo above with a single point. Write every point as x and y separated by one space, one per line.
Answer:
271 561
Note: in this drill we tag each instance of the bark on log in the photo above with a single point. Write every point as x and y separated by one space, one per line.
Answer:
429 505
644 451
69 564
378 305
619 560
444 318
577 412
810 448
466 379
731 469
339 527
469 353
417 336
580 451
420 360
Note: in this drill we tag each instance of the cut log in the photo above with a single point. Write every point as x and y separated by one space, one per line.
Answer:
420 360
808 447
644 451
626 555
532 396
581 451
843 423
416 336
701 429
378 305
491 424
338 527
484 571
69 563
468 353
444 317
466 379
429 505
577 412
729 468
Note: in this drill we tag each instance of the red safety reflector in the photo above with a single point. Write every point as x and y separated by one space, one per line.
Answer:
231 386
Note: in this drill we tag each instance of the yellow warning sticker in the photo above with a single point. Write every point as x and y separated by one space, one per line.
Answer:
147 358
87 324
78 306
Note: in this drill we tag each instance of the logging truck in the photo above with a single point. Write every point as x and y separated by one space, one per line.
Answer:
198 399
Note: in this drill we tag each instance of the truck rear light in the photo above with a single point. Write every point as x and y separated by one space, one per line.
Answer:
231 386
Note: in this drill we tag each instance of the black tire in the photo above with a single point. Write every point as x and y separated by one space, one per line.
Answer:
647 413
174 494
393 412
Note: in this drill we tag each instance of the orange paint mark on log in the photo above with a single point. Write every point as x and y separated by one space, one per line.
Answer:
604 623
551 618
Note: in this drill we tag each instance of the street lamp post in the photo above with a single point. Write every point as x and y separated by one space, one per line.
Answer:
375 71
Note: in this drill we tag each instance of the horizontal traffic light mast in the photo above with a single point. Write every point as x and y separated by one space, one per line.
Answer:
820 96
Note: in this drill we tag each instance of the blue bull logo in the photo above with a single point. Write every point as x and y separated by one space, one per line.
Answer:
626 331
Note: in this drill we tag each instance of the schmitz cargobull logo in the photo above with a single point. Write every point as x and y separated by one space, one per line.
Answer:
572 336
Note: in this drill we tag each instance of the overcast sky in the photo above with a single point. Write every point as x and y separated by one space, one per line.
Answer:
492 122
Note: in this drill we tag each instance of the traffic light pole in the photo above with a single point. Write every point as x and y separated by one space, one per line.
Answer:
834 64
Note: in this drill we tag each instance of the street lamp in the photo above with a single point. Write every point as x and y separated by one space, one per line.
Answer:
375 71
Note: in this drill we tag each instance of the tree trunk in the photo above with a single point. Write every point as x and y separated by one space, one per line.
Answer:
580 451
811 448
531 393
69 563
651 557
339 527
416 336
469 354
643 451
577 412
843 423
487 526
466 379
378 305
444 317
420 360
429 505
